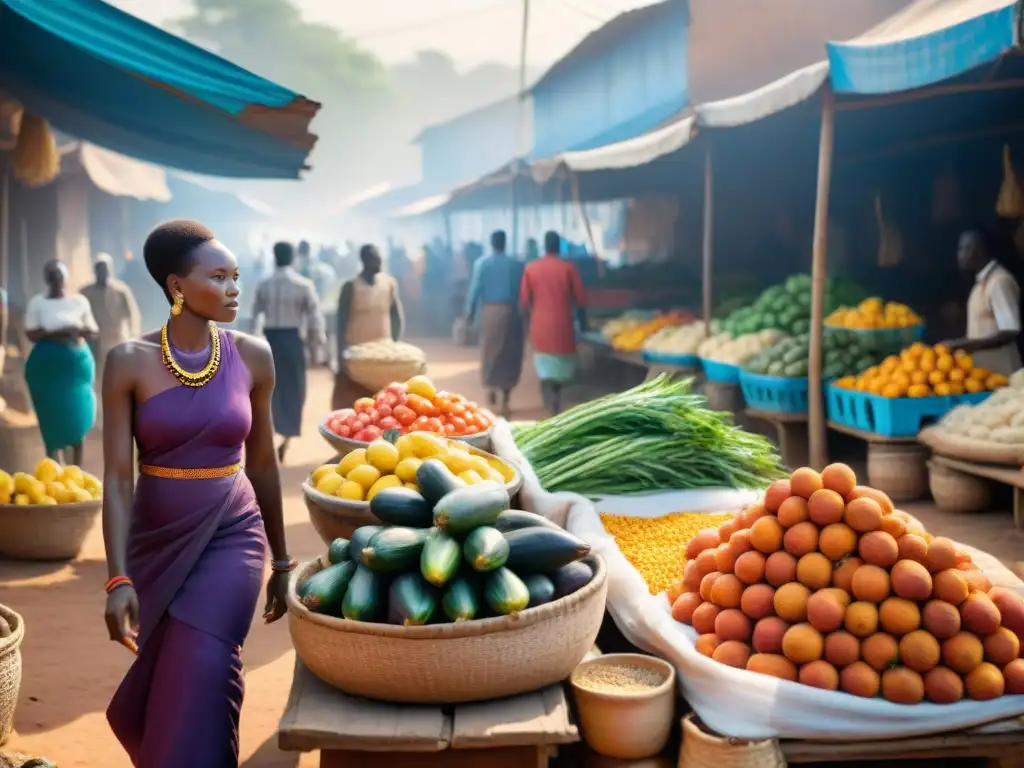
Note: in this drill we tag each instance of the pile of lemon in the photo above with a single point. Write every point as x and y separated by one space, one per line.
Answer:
49 484
364 472
923 371
874 314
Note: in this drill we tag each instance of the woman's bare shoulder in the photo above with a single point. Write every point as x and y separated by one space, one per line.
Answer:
134 352
255 353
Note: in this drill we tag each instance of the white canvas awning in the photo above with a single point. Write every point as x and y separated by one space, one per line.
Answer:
769 99
119 175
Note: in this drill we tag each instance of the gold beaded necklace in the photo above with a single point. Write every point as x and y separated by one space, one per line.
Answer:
188 378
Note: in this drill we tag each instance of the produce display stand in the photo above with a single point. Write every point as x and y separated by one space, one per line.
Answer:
516 732
1013 477
791 431
621 370
896 465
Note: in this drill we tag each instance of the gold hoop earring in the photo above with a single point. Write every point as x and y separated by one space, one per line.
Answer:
179 302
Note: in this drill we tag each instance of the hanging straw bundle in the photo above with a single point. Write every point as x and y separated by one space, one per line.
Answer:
1010 204
36 161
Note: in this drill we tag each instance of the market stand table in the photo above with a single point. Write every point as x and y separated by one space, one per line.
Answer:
1011 476
791 429
897 466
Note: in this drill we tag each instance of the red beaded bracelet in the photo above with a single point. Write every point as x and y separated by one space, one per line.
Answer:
116 581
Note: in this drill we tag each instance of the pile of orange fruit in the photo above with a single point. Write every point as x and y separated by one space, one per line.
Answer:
924 371
826 584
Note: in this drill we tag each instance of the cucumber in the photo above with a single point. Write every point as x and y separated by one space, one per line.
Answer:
461 601
324 591
395 549
338 552
411 602
436 481
541 589
459 512
485 549
440 559
539 550
514 519
363 599
570 578
360 539
401 506
505 592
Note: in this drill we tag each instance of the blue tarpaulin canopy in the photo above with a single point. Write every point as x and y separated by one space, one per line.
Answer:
105 76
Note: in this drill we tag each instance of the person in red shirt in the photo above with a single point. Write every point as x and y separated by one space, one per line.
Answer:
552 297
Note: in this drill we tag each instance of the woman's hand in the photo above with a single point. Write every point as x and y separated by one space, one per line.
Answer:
122 615
277 589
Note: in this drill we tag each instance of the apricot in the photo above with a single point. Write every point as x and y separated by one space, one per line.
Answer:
706 644
836 541
962 652
911 580
749 567
791 602
675 590
941 555
863 515
839 478
707 583
727 529
902 686
780 568
842 577
705 539
825 611
732 624
950 586
894 526
684 606
691 577
768 634
979 614
976 581
839 594
859 679
870 583
804 482
732 653
1001 647
912 547
861 619
773 665
863 491
943 686
725 560
703 618
899 616
919 651
825 507
766 535
1011 608
757 601
803 644
801 539
985 682
792 511
751 514
820 674
940 618
841 649
706 561
878 548
814 571
1013 674
879 651
777 493
739 543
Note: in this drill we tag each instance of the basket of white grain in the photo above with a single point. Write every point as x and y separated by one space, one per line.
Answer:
376 364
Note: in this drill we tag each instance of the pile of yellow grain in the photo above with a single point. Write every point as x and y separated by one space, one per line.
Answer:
654 545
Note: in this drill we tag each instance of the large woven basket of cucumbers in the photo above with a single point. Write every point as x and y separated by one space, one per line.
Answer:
455 597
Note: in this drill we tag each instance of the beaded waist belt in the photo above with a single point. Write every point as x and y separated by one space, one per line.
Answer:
174 473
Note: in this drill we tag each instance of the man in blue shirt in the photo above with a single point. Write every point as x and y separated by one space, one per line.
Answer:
494 300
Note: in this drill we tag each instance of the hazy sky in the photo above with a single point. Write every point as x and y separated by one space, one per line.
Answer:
470 31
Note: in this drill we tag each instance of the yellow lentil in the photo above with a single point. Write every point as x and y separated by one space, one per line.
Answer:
618 678
655 546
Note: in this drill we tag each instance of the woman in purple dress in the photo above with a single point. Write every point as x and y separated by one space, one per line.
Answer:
186 545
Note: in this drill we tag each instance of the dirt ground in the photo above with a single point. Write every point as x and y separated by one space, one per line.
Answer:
71 669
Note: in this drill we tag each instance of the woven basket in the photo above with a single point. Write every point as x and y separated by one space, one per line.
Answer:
377 374
343 445
958 492
701 749
55 532
10 671
898 469
450 663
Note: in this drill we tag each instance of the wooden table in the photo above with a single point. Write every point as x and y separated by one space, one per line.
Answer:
518 732
791 429
1013 477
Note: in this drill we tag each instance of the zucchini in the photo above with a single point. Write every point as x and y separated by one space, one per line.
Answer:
539 550
461 601
505 592
485 549
440 559
360 539
363 599
461 511
401 506
395 548
436 481
324 591
514 519
338 551
570 578
541 589
411 601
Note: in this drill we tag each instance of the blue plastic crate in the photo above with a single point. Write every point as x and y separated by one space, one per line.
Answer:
774 393
667 358
721 373
891 416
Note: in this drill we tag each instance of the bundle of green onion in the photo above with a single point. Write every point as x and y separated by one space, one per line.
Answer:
656 437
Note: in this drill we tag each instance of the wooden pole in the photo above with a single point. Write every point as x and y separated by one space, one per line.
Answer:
817 437
5 251
520 127
26 283
708 242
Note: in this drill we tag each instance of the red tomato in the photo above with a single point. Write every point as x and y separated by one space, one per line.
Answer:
343 431
394 388
456 397
420 425
472 429
444 405
482 421
449 429
383 411
370 416
435 425
422 406
369 434
459 409
363 404
356 425
459 424
343 414
404 414
388 422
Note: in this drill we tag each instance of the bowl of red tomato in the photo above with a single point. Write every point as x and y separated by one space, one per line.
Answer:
412 406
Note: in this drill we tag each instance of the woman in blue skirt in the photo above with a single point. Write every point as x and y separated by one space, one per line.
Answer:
60 369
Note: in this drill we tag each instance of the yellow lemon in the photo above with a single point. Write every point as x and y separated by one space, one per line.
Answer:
37 491
351 491
891 390
6 483
406 469
501 468
422 386
458 462
918 390
47 470
495 475
5 498
459 445
428 446
365 475
21 500
956 387
973 386
941 389
388 481
978 374
23 482
405 446
49 501
956 375
919 377
382 455
320 472
80 495
330 483
942 349
92 484
479 465
352 460
944 363
59 491
936 377
470 477
74 474
412 487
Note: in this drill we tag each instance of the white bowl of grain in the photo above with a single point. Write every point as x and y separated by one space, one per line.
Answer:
626 704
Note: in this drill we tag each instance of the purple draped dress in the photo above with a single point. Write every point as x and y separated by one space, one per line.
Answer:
196 552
